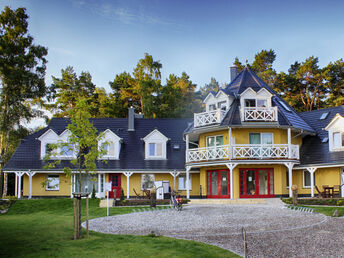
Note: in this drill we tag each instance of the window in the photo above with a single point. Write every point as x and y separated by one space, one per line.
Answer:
109 149
261 138
49 149
250 102
182 182
338 140
212 107
307 179
155 149
287 176
222 105
147 181
323 116
67 150
213 141
261 103
53 182
155 145
325 140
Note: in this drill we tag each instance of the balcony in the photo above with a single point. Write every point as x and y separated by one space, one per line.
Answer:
243 151
259 114
209 118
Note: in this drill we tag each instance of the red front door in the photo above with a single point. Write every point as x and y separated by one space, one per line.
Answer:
256 182
115 180
218 184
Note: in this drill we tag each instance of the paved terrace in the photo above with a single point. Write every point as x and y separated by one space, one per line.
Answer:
272 230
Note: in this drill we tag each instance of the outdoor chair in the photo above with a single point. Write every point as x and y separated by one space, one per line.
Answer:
336 191
321 194
139 196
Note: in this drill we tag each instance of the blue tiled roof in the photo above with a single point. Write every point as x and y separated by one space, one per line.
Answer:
27 155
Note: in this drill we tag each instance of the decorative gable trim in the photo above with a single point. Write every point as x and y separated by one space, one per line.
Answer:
210 94
151 134
334 119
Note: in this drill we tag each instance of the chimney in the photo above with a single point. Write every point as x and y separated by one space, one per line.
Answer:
131 119
233 72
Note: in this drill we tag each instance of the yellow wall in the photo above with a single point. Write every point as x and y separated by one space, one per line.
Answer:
135 183
323 176
38 190
241 136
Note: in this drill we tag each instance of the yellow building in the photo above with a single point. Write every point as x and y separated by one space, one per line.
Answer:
248 143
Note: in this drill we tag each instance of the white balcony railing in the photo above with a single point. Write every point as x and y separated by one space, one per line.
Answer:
243 151
209 118
259 114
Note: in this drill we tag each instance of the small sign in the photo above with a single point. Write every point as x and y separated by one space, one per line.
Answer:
107 187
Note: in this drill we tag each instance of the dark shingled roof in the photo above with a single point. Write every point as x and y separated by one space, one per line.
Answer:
248 79
313 150
132 156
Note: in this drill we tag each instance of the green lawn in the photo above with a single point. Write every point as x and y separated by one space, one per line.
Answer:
328 211
42 228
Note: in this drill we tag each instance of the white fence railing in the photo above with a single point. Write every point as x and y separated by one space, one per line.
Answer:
209 118
259 114
243 151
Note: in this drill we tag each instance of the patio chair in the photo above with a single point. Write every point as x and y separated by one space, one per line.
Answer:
139 196
336 191
321 194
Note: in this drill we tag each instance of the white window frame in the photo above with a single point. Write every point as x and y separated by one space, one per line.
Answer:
341 136
155 137
58 185
142 175
303 179
184 176
261 136
206 140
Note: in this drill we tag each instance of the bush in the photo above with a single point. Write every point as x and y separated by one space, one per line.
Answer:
340 202
287 200
316 201
93 196
122 197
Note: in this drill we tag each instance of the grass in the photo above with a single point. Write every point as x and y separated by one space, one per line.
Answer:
42 228
328 211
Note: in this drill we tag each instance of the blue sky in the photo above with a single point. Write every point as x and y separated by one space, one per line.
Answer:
201 37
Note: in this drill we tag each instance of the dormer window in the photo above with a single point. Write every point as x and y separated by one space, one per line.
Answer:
336 133
67 151
155 145
111 145
250 102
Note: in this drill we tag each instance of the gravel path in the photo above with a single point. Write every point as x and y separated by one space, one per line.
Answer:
272 231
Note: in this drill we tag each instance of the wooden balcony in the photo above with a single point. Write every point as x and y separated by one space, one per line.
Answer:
209 118
243 151
259 114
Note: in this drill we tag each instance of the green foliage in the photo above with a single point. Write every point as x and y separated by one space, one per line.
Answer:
334 76
22 71
93 196
122 196
213 85
316 201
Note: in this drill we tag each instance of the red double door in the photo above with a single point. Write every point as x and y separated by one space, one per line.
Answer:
115 180
218 185
254 183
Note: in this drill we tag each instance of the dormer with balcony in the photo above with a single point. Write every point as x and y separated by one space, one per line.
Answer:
256 106
216 105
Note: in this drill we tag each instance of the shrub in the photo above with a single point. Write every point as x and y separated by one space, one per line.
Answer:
122 197
93 196
340 202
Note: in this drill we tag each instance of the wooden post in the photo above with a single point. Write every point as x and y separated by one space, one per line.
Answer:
87 216
74 218
294 189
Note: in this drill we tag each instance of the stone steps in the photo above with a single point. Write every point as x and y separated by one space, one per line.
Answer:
227 201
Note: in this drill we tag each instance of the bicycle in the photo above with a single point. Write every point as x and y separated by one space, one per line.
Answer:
176 201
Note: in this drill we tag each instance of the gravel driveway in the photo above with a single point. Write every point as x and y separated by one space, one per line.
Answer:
272 231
